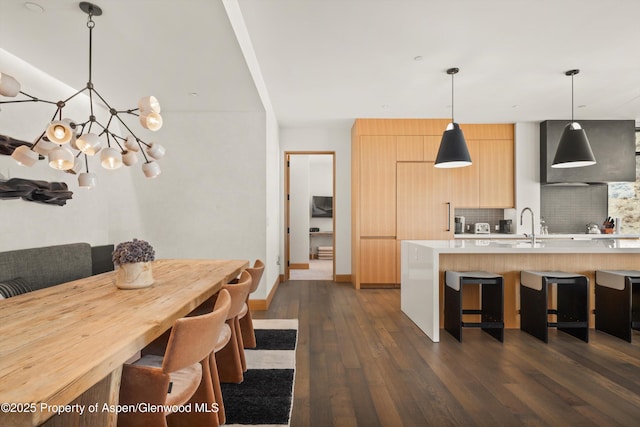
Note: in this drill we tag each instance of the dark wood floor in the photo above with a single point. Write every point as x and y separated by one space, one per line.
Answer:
361 362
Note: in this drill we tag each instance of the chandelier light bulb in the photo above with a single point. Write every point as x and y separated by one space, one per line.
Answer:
61 159
89 143
87 180
110 158
148 104
151 121
59 131
25 156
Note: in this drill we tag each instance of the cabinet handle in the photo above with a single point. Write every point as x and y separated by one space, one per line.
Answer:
448 216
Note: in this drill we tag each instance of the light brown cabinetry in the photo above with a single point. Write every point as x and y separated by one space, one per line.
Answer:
377 186
496 173
398 194
424 209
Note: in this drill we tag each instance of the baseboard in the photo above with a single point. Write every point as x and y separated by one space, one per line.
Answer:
379 285
261 304
343 278
301 266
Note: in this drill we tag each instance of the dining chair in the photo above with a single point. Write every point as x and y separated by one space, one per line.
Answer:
182 375
227 362
246 321
230 356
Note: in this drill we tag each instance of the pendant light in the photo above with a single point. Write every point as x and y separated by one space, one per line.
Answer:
573 150
453 151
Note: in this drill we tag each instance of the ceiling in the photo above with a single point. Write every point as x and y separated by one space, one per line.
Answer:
327 62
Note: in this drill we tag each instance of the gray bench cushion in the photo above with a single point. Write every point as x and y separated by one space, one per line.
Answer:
47 266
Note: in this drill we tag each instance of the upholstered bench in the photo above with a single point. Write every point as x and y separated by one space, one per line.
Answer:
618 302
492 303
572 303
25 270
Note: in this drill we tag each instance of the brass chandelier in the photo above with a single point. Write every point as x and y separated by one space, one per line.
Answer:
68 143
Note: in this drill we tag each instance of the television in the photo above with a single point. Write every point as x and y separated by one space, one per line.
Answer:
322 207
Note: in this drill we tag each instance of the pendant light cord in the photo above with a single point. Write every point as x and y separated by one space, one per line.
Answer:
452 120
572 73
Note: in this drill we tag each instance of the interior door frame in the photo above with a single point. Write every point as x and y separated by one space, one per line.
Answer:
287 213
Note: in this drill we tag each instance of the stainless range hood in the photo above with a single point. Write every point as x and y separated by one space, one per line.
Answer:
613 144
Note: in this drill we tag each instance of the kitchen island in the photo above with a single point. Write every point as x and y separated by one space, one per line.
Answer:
423 263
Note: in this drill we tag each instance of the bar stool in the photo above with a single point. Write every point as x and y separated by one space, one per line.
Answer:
492 305
572 307
618 302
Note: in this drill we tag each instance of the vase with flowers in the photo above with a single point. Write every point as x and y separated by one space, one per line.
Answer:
133 264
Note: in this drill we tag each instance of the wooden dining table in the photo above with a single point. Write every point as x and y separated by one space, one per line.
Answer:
62 348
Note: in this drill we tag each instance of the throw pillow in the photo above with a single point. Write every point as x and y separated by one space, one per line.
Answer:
12 287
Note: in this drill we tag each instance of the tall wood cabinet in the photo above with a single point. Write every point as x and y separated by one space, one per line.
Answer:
398 194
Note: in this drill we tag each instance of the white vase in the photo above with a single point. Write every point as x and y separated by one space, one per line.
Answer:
134 275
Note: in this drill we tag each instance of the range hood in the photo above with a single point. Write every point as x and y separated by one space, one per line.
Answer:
612 141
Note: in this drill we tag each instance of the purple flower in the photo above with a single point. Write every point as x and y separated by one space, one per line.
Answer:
133 251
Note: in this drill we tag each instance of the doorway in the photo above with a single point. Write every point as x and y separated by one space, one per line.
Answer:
309 215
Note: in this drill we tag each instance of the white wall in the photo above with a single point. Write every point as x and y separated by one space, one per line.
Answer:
337 140
210 201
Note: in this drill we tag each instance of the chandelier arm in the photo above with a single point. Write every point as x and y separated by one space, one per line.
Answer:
93 90
74 95
39 139
134 135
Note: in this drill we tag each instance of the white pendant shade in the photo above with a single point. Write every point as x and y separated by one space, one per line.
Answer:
156 150
43 146
59 131
87 180
129 158
9 86
89 143
151 169
24 156
149 104
60 158
78 166
110 158
151 121
132 144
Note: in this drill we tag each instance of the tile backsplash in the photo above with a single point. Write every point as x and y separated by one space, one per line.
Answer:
492 216
568 209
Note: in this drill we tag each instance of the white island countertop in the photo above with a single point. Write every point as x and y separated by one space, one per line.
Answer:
599 245
423 263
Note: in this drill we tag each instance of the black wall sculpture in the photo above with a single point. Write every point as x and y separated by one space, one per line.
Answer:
50 193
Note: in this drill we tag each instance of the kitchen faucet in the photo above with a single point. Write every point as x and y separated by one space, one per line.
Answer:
533 221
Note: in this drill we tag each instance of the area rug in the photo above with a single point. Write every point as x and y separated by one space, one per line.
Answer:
265 397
